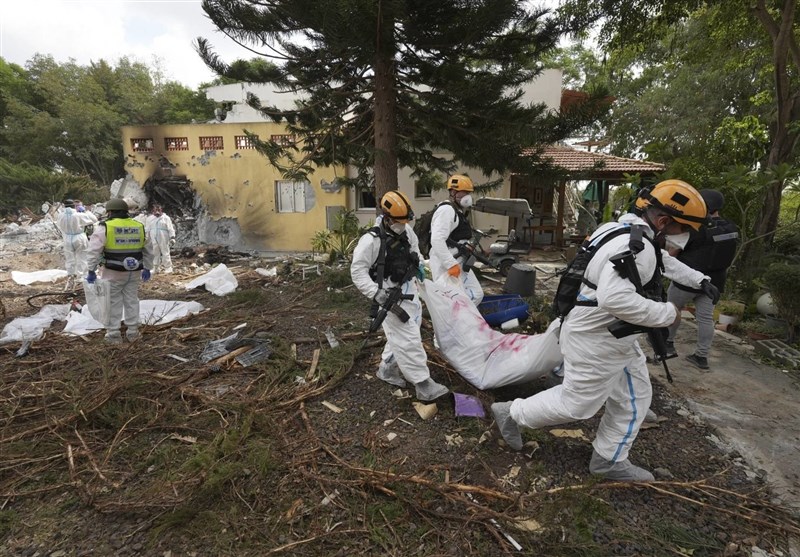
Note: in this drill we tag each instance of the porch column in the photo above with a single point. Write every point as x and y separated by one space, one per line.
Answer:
559 237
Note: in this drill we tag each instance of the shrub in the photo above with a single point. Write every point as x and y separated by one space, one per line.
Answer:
782 280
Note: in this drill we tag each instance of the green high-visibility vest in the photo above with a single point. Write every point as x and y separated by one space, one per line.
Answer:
124 245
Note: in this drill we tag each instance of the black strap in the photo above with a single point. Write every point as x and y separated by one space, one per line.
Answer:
380 263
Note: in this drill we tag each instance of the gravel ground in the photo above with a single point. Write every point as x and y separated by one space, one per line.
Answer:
185 460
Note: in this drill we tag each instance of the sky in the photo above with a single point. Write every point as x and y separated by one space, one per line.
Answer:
88 30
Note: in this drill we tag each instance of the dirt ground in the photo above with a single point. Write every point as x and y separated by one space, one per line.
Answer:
130 451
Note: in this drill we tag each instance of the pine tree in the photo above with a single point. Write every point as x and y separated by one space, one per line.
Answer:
391 83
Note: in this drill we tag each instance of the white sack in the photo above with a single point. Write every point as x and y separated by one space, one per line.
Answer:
98 299
33 327
48 275
486 358
151 312
218 281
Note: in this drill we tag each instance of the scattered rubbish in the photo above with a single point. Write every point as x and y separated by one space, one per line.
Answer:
510 324
468 406
454 440
391 436
372 414
219 281
309 268
510 479
529 525
239 327
401 394
328 499
485 437
494 523
179 358
332 407
569 434
271 272
185 438
399 419
216 348
258 353
331 339
387 423
48 275
314 362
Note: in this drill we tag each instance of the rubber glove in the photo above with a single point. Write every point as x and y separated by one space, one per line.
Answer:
91 277
81 209
145 275
710 290
381 296
421 272
172 241
454 271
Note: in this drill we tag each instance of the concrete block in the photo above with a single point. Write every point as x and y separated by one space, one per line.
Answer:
778 351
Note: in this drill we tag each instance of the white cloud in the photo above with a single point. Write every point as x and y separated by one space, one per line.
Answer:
84 30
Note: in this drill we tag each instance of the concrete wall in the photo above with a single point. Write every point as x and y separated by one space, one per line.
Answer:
237 186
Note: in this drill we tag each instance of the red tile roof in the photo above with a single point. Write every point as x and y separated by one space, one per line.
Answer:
576 161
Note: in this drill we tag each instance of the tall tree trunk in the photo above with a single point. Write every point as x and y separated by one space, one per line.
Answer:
385 128
781 33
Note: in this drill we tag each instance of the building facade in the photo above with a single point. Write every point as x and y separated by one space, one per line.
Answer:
248 204
236 185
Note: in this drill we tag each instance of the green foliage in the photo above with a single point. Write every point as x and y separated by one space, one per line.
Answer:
25 185
396 84
782 280
725 56
68 117
340 242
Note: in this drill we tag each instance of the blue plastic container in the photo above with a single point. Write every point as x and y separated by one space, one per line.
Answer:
505 307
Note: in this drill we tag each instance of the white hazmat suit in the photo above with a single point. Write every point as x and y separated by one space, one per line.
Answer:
123 286
403 340
71 223
442 257
598 368
161 232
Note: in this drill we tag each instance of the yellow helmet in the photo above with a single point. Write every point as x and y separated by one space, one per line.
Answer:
680 201
459 182
396 205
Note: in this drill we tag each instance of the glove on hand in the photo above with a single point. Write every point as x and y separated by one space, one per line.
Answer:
454 271
172 241
81 209
381 296
421 272
91 277
145 275
710 290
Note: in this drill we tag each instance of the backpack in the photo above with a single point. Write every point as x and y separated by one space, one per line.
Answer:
572 277
422 228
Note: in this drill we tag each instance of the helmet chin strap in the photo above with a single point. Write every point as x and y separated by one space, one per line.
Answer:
660 235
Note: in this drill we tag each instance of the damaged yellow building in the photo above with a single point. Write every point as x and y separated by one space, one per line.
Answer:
249 204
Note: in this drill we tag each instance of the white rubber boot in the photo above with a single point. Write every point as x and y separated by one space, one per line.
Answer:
429 390
622 471
506 424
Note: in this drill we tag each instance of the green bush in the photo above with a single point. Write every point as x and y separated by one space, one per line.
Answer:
340 242
782 280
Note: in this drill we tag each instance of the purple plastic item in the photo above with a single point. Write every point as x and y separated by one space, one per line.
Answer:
467 405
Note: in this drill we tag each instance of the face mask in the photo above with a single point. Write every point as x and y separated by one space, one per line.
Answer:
398 228
466 201
677 240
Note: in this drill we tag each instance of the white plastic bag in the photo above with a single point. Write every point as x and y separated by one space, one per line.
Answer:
486 358
98 299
